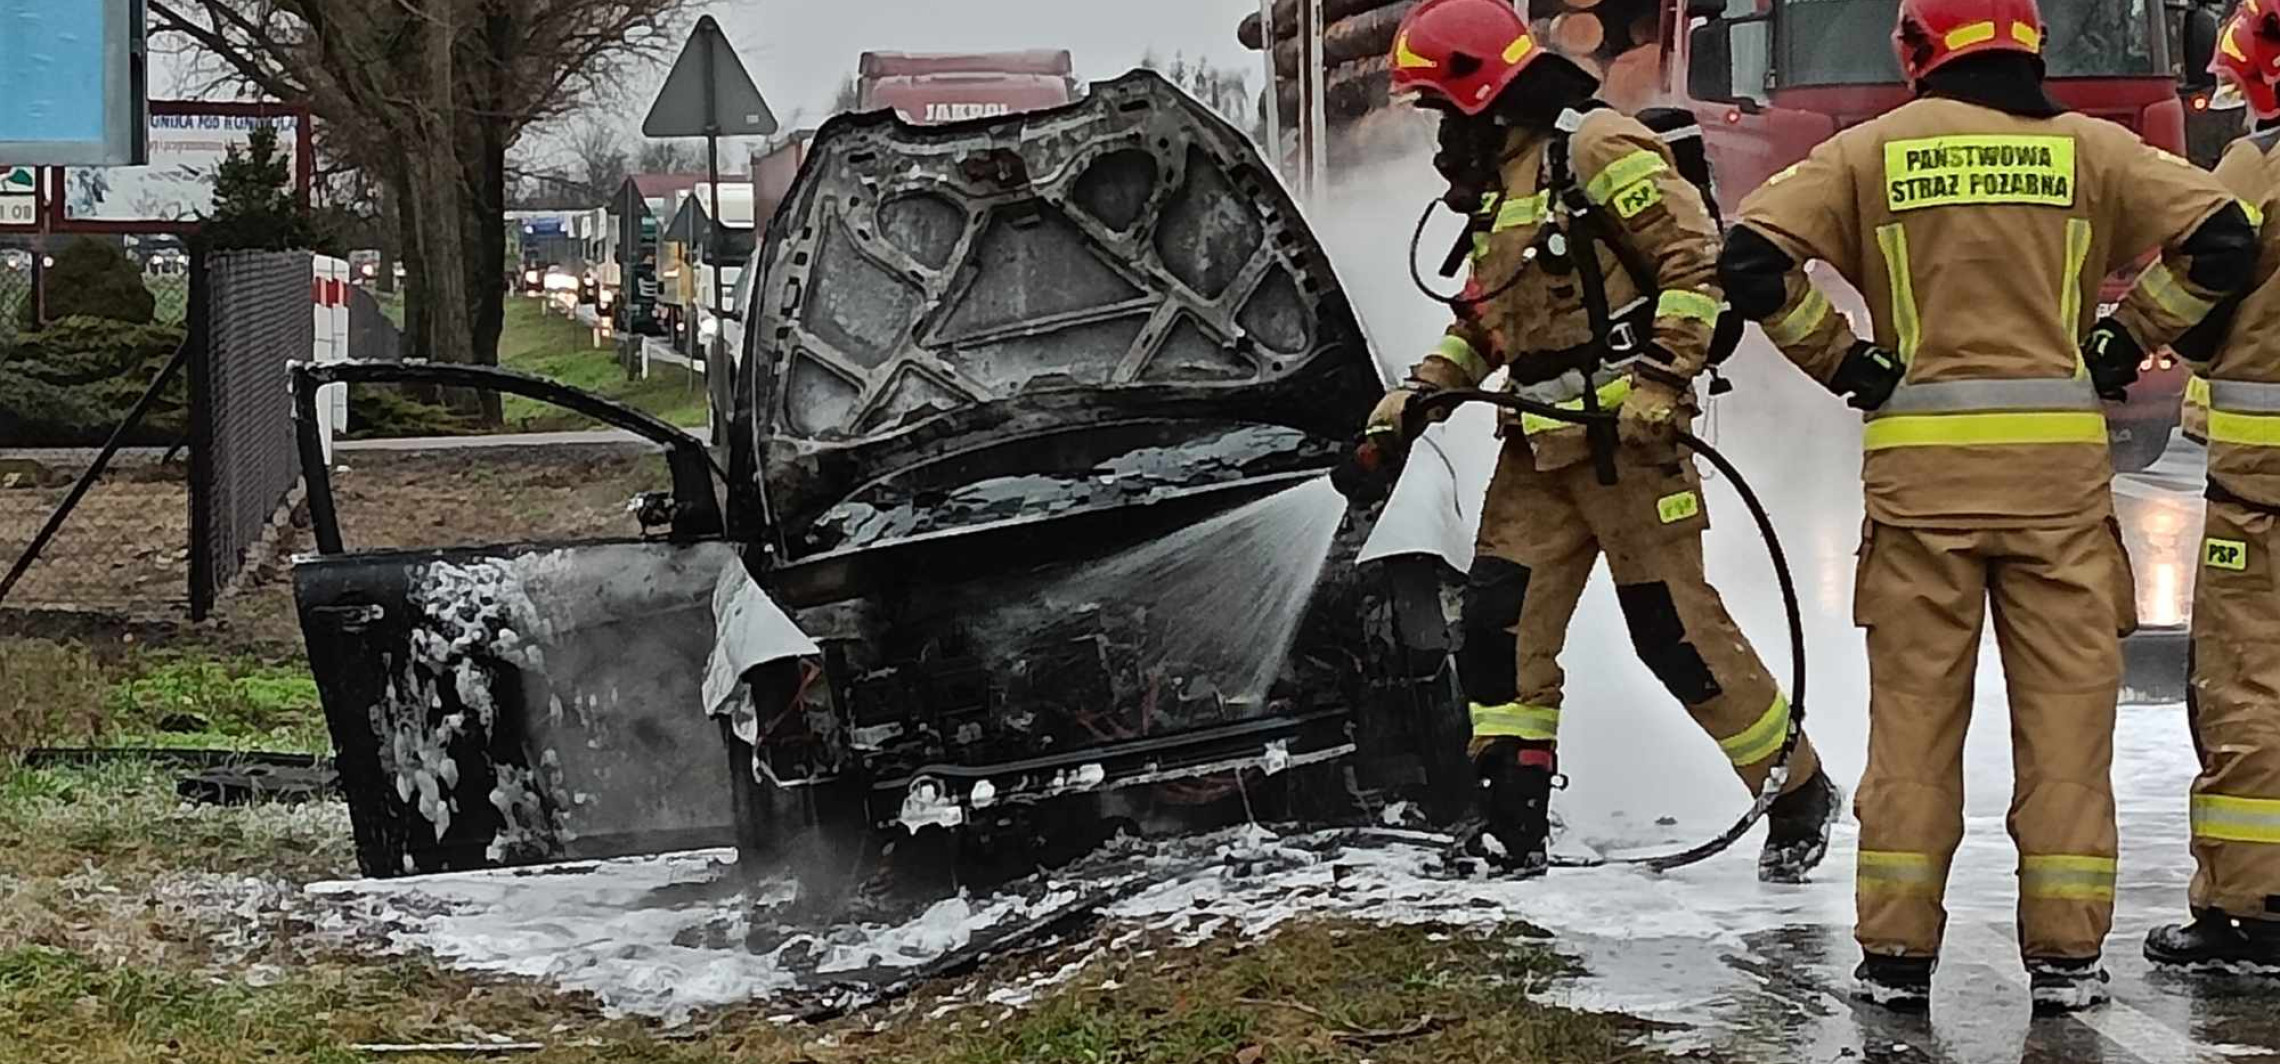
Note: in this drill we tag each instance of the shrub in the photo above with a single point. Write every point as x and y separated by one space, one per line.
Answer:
92 279
71 383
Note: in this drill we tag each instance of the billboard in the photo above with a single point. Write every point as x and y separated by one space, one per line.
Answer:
19 196
187 143
71 82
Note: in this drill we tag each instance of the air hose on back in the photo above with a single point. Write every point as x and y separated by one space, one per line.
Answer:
1422 411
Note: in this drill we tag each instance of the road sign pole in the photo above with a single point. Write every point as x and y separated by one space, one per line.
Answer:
717 419
708 82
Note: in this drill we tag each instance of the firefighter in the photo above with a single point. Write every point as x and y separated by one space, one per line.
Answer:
2235 354
1551 510
1979 220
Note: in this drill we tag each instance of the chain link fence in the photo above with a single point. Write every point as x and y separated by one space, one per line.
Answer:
251 319
140 466
15 290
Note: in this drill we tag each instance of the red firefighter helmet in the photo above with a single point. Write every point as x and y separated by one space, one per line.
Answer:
1462 52
1933 33
2248 56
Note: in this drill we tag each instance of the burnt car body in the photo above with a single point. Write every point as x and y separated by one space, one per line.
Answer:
1026 530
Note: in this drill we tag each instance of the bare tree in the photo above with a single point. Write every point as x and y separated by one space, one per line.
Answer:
1221 89
599 159
669 157
429 95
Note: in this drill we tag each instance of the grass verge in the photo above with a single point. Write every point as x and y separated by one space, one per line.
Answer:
1317 993
65 694
555 347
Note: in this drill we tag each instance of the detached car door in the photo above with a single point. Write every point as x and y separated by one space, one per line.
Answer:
524 702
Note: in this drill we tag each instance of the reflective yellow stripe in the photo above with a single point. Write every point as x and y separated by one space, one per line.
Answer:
1514 213
2219 818
1406 58
1894 241
1620 174
1519 48
1515 720
1893 872
1975 33
1456 350
2066 877
2197 391
2248 430
2254 212
1678 303
1762 739
1983 430
2163 286
2027 35
1798 324
2078 235
1611 395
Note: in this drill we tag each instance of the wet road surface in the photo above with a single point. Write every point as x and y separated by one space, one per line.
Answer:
1777 989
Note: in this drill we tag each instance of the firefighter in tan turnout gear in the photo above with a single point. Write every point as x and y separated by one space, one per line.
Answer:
1979 220
2235 701
1551 511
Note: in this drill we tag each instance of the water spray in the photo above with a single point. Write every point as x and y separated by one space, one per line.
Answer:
1372 455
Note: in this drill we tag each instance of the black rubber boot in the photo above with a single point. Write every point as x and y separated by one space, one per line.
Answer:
1516 795
2060 986
1902 984
2214 944
1797 830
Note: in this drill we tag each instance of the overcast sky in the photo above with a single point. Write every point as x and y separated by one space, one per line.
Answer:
798 50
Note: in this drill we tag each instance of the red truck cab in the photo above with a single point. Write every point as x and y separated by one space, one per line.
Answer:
1772 78
936 89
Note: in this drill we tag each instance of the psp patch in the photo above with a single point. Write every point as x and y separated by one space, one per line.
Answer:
1631 201
1675 508
1979 170
2227 554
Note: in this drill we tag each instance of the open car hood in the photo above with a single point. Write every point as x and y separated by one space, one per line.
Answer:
946 305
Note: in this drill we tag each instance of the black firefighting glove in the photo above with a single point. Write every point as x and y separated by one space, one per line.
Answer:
2113 356
1867 376
1373 465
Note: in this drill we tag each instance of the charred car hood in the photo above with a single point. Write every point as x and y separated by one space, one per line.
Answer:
1033 299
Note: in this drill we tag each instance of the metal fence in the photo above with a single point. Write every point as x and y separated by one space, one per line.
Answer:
15 290
157 510
250 317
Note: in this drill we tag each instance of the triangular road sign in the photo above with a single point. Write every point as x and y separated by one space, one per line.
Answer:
709 93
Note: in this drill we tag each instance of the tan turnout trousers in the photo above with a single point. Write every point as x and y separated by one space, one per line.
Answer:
2236 716
1923 597
1541 535
2235 701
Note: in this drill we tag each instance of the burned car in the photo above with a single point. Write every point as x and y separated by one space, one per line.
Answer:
1026 535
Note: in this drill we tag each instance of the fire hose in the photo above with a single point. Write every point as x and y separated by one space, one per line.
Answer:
1371 456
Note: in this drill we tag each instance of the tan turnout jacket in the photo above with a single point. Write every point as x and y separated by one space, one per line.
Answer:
1627 172
1979 239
